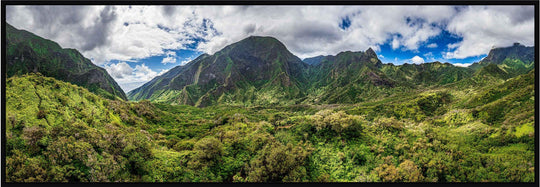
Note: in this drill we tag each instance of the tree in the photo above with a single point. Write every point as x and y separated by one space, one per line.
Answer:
277 162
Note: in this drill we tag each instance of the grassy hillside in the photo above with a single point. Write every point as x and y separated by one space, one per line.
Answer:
57 131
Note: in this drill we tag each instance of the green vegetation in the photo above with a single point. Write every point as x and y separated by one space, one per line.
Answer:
59 132
269 117
28 53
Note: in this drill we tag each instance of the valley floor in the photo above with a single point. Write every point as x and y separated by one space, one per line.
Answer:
57 131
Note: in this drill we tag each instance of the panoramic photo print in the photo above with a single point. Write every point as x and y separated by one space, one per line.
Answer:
179 93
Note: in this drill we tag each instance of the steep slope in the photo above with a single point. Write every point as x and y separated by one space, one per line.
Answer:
500 65
516 51
351 77
314 60
426 74
256 70
514 60
261 71
60 132
26 52
347 77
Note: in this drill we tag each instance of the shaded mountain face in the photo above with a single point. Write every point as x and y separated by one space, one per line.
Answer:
26 52
256 70
314 60
517 51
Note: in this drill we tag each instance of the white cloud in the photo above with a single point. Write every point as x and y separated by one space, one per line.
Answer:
119 70
453 45
170 57
432 45
395 43
462 64
314 30
417 60
381 56
130 78
483 27
184 62
128 33
124 33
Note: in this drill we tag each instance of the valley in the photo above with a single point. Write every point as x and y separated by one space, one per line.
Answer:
254 112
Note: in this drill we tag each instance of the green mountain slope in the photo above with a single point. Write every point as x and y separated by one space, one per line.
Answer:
57 131
26 52
514 60
261 71
352 77
256 70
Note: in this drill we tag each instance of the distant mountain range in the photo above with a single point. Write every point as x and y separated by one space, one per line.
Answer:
26 52
262 71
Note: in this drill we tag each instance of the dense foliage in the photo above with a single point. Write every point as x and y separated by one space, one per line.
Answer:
57 131
269 117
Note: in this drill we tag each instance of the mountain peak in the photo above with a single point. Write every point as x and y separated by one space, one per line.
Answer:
260 38
516 51
252 44
370 52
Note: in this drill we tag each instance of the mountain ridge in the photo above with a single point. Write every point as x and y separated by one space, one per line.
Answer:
346 77
27 52
210 78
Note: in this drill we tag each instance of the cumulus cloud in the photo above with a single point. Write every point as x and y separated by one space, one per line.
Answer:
170 57
128 33
462 64
395 43
119 70
483 27
314 30
417 60
104 33
130 78
432 45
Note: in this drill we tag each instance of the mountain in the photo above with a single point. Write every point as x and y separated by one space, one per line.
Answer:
314 60
256 70
347 77
426 74
514 60
430 122
516 51
261 71
27 52
351 77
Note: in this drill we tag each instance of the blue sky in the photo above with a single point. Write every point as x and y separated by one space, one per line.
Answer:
137 43
431 50
155 63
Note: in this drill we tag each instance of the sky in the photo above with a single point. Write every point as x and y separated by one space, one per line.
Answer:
137 43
